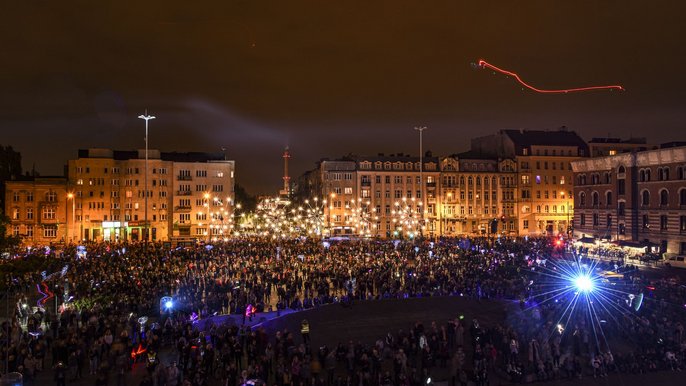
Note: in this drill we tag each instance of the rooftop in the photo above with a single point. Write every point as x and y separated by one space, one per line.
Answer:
526 138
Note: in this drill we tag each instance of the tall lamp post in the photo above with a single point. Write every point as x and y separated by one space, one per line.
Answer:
147 118
421 172
73 215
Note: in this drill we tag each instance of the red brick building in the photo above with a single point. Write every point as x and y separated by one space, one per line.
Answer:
637 198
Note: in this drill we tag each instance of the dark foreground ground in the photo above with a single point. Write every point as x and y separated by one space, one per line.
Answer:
370 320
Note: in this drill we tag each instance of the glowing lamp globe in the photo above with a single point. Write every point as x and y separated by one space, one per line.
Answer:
168 304
583 283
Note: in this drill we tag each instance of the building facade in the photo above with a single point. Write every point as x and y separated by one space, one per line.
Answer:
477 195
544 202
189 196
39 209
637 198
382 196
379 196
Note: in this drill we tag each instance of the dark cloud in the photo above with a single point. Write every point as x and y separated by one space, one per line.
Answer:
328 78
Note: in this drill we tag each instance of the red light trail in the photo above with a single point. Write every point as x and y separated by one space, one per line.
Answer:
484 64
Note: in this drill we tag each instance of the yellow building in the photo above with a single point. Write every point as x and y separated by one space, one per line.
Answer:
544 175
380 196
39 210
477 195
189 195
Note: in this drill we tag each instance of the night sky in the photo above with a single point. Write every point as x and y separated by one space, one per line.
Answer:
329 78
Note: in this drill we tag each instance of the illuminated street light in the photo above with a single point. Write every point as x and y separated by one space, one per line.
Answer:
147 118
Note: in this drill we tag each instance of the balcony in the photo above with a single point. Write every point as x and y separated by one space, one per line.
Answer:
183 193
366 183
181 208
183 178
430 184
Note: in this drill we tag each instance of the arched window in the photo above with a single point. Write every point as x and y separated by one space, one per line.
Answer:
663 174
680 173
554 208
461 180
538 209
547 209
478 181
647 174
582 199
682 197
645 198
470 180
621 170
642 175
664 197
608 178
608 198
595 198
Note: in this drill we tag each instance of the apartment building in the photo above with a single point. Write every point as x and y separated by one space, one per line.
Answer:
189 195
39 209
544 175
636 199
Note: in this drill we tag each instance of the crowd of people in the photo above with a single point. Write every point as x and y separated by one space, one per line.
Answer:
109 317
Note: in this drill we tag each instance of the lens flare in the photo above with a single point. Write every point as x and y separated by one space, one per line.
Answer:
583 283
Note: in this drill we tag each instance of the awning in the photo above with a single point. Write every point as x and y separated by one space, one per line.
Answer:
587 240
631 244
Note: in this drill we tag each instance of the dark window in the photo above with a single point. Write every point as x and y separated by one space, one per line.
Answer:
582 219
664 197
646 221
682 223
596 220
645 198
663 222
621 187
608 198
682 197
596 199
609 220
621 208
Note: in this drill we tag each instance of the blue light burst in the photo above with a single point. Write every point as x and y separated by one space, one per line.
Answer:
574 293
584 283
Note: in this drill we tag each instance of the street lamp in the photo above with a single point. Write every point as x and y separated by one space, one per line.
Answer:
147 118
70 196
421 165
